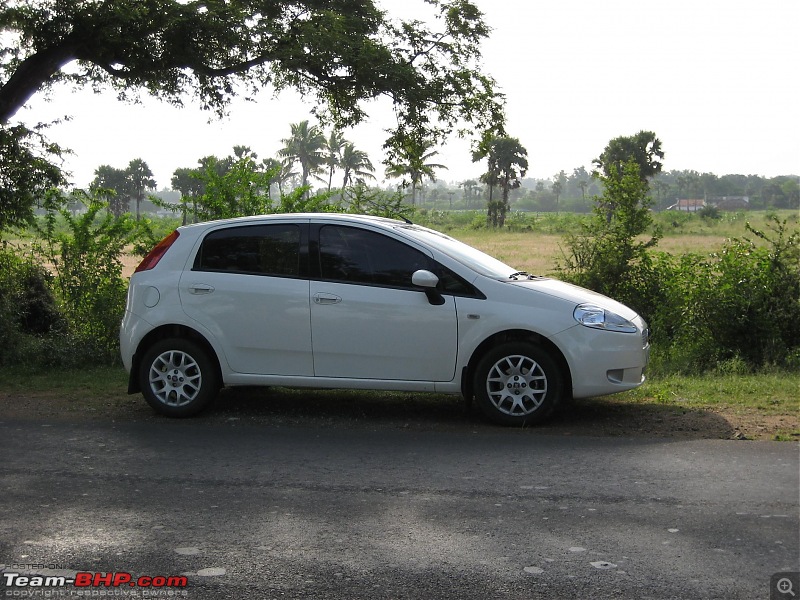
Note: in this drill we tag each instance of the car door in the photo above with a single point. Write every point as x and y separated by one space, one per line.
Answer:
368 320
246 287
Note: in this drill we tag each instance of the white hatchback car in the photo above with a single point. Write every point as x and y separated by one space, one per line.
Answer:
347 301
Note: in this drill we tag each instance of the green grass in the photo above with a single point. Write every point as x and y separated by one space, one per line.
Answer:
752 406
769 393
92 382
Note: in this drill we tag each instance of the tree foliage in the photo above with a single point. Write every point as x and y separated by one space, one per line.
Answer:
26 173
507 164
610 253
644 149
305 146
407 159
339 52
127 184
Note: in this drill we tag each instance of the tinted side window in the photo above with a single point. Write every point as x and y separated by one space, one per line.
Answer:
254 249
359 256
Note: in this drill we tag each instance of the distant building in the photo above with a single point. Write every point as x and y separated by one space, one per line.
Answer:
730 202
690 205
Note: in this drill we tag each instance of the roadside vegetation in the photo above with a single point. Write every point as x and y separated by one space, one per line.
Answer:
720 288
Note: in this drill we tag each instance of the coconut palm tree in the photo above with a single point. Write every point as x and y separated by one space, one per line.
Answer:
332 153
356 166
304 146
409 160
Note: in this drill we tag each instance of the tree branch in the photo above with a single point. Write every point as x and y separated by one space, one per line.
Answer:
33 73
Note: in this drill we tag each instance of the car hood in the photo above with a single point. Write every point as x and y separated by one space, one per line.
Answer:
574 294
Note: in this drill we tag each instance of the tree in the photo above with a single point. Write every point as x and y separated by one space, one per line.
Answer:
340 52
559 186
140 178
26 173
332 153
644 149
305 148
610 254
236 190
507 163
188 183
356 166
581 179
107 177
471 190
407 156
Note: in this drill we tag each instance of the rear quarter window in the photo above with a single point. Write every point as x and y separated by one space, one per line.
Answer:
253 249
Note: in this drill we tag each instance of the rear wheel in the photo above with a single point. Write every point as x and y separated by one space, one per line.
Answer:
178 378
517 383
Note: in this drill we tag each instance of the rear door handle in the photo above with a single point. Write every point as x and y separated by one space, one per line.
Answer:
323 298
201 288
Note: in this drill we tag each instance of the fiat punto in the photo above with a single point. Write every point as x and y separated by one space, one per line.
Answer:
350 301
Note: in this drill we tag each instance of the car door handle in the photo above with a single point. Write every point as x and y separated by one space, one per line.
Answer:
201 288
321 298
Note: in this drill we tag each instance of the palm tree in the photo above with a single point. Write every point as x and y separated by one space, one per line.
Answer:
110 178
408 158
470 186
185 180
304 147
508 162
356 165
644 148
242 151
333 153
141 178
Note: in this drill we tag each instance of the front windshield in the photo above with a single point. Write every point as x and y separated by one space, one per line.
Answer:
467 255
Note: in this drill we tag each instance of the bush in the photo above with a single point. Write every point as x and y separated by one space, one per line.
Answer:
737 306
28 308
86 260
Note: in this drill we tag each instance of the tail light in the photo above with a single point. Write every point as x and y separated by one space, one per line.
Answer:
152 258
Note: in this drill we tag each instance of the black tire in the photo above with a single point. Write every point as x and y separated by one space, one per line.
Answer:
517 384
178 378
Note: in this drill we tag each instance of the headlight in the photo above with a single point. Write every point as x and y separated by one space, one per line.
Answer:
592 315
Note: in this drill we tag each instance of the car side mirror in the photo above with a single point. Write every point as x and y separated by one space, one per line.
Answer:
428 281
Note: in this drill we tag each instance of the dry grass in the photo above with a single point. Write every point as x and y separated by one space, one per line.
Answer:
539 253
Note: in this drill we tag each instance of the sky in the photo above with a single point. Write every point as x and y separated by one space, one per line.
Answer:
716 81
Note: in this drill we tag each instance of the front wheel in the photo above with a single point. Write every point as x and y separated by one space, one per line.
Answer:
178 378
518 384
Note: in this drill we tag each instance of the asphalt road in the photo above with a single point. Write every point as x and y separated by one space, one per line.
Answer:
252 511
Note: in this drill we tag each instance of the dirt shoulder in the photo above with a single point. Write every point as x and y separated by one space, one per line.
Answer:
609 416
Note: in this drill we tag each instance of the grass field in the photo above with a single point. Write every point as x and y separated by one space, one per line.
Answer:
537 251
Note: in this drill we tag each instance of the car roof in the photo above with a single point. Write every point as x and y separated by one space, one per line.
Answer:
301 217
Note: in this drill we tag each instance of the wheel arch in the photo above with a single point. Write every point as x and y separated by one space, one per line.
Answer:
162 333
516 335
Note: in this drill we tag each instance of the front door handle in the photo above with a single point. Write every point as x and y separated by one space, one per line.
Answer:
323 298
